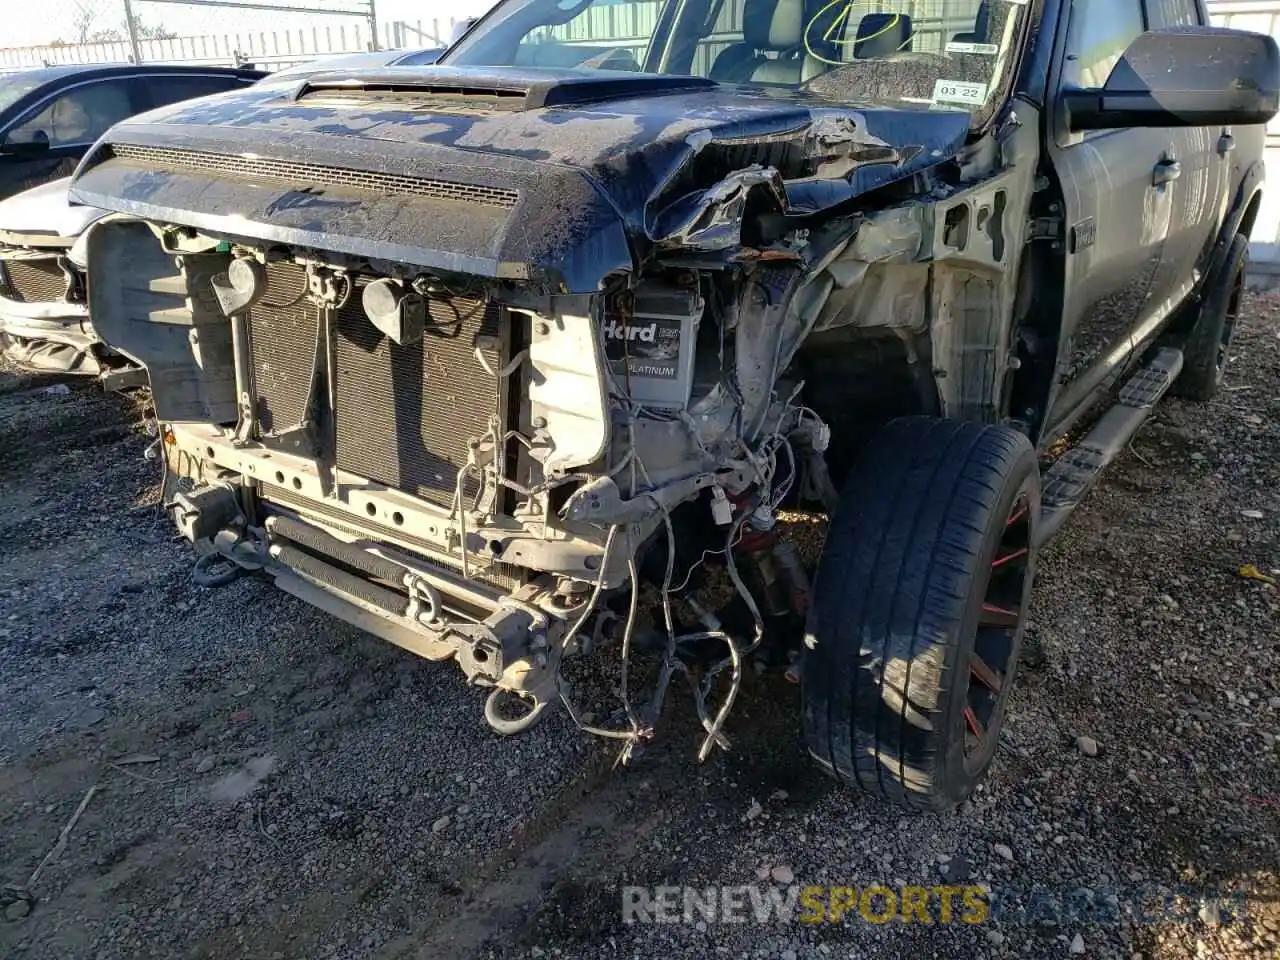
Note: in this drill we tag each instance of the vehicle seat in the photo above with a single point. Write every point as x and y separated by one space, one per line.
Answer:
981 26
882 35
769 26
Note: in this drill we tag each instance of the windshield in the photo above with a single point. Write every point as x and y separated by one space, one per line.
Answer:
943 52
13 89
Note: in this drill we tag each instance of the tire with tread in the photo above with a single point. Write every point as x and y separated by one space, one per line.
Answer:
896 603
1204 353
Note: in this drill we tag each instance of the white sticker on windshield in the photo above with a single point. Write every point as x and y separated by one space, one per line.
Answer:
959 91
987 49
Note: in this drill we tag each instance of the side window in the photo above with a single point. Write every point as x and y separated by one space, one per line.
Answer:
1100 32
79 116
166 90
1175 13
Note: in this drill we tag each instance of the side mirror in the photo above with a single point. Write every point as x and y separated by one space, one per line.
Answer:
1188 77
26 148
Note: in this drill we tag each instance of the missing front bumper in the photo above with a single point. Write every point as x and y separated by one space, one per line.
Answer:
388 562
507 646
502 553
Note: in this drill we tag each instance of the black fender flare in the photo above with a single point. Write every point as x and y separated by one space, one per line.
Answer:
1250 187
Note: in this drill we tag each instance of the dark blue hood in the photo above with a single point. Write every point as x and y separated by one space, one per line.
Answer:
557 176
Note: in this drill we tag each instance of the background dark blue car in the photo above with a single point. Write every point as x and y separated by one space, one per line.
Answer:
49 117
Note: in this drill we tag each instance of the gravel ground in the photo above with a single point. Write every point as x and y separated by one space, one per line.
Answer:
267 782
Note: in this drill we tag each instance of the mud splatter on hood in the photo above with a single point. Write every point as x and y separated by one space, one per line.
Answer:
596 165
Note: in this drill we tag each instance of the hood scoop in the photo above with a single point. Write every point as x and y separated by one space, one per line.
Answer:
499 88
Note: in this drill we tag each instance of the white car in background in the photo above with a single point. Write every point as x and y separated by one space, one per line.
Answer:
44 316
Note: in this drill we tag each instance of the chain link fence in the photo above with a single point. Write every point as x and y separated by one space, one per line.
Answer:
98 31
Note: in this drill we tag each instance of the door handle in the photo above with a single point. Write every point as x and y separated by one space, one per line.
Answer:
1166 171
1226 143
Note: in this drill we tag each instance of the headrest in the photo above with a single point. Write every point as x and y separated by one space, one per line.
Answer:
881 35
981 26
982 22
773 24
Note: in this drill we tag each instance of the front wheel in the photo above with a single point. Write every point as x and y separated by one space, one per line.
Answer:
919 608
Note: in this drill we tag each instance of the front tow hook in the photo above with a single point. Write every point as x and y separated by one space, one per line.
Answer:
215 570
232 556
494 712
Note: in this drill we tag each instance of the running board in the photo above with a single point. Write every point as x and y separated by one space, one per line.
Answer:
1075 472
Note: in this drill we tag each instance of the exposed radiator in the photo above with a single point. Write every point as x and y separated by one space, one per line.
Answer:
404 413
283 326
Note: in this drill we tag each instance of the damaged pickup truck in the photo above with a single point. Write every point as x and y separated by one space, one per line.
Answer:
505 358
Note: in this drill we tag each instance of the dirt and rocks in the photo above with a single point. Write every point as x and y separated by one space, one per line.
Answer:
270 783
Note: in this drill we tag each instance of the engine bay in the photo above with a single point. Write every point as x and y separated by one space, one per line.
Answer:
473 479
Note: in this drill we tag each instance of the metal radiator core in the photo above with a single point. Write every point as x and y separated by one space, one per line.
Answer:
405 413
283 327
